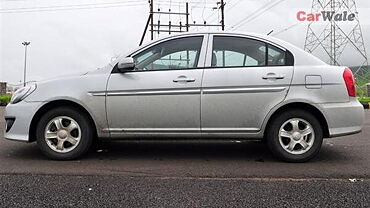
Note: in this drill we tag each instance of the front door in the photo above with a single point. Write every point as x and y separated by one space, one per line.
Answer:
245 80
162 95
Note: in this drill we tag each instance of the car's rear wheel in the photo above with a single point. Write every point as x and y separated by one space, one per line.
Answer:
295 136
64 133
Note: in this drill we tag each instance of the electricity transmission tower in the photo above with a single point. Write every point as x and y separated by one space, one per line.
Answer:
336 37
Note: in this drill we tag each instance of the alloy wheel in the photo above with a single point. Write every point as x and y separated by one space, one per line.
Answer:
296 136
62 134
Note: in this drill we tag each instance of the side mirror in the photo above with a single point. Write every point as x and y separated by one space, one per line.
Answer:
126 64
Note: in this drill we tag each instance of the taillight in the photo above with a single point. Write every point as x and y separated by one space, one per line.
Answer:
350 82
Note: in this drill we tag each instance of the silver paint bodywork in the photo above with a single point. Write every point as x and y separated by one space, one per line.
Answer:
217 103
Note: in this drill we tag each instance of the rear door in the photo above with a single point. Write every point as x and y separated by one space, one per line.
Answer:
244 79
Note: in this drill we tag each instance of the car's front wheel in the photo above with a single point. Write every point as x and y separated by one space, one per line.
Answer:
295 136
64 133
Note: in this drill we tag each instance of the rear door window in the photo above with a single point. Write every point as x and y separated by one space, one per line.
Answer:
229 51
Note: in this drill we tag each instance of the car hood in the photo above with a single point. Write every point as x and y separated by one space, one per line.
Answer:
70 86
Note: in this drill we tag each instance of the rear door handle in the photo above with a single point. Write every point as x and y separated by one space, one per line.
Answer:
183 79
272 76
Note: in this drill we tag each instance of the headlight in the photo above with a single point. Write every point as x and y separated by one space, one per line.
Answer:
22 93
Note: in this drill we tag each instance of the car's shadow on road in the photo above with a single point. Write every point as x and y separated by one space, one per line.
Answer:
24 151
183 150
171 150
246 150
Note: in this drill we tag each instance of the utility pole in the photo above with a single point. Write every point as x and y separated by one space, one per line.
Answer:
25 43
335 38
151 20
187 16
222 15
176 28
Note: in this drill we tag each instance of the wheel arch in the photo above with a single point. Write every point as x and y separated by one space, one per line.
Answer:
53 104
304 106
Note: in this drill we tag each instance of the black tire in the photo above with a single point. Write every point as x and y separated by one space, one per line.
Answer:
87 135
273 136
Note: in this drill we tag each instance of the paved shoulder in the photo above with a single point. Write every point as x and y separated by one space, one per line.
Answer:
116 191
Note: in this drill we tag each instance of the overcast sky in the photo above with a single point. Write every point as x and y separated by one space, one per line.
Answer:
69 39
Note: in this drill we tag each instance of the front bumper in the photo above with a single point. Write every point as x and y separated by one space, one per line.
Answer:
22 114
344 118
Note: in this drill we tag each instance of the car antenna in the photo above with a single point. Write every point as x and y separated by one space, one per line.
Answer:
270 32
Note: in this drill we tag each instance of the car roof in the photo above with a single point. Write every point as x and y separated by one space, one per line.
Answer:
258 35
187 34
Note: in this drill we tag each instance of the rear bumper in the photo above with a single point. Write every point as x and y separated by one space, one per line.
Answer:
343 118
21 114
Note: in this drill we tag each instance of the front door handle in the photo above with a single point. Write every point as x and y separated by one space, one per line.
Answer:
272 76
183 79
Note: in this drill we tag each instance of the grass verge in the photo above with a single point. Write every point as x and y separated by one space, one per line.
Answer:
4 99
364 99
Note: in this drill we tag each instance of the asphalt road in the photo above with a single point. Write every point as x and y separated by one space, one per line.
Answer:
187 174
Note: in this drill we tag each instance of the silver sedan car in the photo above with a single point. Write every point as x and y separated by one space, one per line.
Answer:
194 86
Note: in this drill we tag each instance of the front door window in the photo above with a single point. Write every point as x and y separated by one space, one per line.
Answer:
182 53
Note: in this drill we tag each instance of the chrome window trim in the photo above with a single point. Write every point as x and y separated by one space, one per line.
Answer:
210 48
202 55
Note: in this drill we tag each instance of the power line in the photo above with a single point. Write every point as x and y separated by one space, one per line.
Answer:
212 14
226 9
232 6
182 5
69 9
257 13
190 2
72 7
263 12
171 27
205 1
222 7
254 12
287 28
